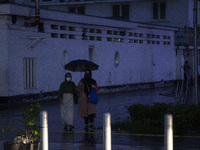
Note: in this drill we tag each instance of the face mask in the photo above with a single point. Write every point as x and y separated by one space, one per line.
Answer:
68 79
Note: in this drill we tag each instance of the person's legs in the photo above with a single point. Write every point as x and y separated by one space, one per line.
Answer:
86 123
91 117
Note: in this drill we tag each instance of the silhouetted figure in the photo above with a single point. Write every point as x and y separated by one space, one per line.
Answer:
187 72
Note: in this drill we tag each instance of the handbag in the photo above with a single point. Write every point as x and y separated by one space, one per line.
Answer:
93 98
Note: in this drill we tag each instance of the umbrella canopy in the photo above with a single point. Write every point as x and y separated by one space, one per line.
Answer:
81 65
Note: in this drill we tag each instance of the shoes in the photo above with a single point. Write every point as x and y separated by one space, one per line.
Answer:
71 127
86 127
92 126
66 128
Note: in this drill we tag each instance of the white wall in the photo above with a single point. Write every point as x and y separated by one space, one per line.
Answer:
139 63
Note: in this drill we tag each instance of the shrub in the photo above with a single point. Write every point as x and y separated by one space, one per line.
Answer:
150 118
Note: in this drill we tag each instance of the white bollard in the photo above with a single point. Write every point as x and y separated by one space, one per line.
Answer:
168 137
107 132
44 131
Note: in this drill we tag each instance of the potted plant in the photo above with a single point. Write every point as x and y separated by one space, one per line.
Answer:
27 137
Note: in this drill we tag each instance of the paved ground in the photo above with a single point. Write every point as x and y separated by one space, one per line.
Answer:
116 104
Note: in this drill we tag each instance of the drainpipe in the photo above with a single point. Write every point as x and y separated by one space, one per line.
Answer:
37 15
195 54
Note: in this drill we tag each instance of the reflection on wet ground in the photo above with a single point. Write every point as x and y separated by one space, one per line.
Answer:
114 103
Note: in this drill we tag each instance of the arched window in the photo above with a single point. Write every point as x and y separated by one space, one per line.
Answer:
65 58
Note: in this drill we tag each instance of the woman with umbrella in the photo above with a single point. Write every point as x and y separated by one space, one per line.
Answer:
87 110
66 91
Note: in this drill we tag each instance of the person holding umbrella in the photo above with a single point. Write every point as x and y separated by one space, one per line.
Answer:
87 110
66 90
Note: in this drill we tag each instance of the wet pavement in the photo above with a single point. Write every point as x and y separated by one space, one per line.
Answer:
114 103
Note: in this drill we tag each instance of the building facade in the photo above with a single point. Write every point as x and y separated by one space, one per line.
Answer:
155 12
33 55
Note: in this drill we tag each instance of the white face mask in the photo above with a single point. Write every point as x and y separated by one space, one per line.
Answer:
68 79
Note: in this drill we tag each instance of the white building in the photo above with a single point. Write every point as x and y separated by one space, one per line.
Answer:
170 13
32 58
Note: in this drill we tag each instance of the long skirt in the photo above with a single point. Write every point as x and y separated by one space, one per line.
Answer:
67 109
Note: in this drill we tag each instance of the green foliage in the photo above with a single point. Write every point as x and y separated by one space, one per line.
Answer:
30 118
150 118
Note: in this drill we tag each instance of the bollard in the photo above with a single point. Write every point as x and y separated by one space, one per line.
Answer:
44 130
107 132
168 137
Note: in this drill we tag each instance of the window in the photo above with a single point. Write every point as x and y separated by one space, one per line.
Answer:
72 28
71 36
115 32
84 30
109 39
72 9
99 38
92 38
122 33
141 41
159 10
155 10
162 10
84 36
29 72
40 27
63 36
148 35
81 10
54 35
55 27
98 31
121 11
125 11
130 34
109 32
92 30
116 11
63 28
135 34
130 40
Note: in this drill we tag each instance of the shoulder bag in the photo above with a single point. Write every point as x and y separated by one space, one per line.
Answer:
93 98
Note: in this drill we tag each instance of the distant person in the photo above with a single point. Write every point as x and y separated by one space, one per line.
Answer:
66 90
87 110
187 72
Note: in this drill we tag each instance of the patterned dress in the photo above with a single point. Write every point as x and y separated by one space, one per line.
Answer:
67 109
66 90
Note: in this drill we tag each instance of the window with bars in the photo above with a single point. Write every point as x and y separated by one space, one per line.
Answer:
29 73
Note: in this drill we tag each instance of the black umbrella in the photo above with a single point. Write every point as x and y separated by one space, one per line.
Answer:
81 65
